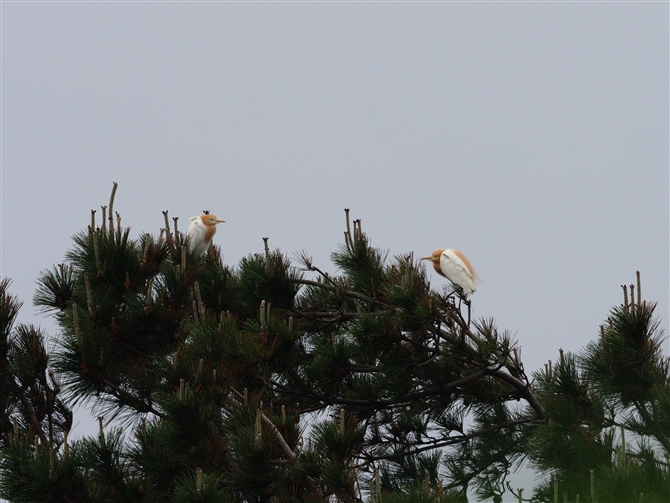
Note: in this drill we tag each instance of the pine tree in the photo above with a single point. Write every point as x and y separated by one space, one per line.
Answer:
34 420
607 434
273 380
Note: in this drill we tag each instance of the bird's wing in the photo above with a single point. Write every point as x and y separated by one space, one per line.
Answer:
465 263
196 230
456 269
453 266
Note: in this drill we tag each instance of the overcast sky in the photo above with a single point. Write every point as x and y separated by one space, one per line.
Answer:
532 136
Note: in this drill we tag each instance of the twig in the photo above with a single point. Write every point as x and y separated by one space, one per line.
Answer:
267 422
144 407
330 287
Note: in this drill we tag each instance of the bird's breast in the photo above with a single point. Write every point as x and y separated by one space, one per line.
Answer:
210 230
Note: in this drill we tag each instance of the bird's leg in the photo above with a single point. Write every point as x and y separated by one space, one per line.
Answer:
450 298
462 299
459 291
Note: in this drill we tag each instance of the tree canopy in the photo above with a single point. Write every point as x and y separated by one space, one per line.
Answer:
274 381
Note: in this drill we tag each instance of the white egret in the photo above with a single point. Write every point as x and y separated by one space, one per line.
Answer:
455 266
200 232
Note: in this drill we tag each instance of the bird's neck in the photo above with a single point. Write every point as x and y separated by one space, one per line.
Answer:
210 230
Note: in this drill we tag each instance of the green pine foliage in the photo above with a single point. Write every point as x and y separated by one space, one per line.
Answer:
607 438
274 381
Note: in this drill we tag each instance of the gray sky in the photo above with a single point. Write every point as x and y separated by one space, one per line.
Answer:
532 136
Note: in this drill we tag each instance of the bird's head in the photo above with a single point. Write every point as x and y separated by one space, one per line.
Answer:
209 219
435 259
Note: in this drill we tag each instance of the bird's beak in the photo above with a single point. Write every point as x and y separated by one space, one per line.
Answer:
427 258
220 221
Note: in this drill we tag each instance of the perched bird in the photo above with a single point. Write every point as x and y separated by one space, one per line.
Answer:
200 232
456 267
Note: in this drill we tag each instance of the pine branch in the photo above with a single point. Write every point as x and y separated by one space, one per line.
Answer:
383 403
437 444
267 422
524 389
142 406
644 414
349 293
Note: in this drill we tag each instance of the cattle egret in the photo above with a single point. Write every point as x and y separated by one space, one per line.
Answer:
456 267
200 232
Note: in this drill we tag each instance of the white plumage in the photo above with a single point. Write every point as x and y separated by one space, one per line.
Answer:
455 266
200 233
